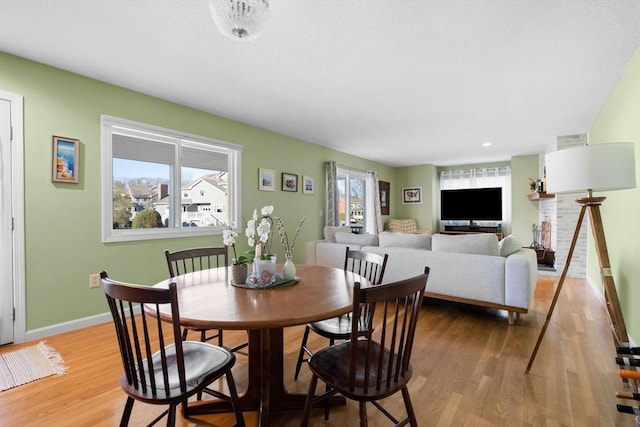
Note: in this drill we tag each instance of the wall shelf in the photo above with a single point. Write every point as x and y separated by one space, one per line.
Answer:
541 195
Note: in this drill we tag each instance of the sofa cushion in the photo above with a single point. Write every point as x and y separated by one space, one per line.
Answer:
480 244
330 232
509 245
399 240
357 239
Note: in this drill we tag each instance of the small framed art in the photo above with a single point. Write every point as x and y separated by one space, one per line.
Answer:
307 185
66 160
289 182
266 179
412 195
384 197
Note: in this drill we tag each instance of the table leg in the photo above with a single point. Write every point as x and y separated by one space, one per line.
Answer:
265 390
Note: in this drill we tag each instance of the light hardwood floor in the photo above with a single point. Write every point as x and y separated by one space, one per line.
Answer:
468 371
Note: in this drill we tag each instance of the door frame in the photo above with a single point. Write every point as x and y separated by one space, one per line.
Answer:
17 206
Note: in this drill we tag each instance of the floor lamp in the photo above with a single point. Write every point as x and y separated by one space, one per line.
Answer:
598 167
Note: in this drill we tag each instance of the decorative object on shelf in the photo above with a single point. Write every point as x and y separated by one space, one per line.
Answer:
289 268
239 19
598 167
66 160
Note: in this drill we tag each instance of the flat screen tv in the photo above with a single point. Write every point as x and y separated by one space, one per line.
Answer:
471 204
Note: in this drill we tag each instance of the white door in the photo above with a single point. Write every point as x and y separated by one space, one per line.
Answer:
6 240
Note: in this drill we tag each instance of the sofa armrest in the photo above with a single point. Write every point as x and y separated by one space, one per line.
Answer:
521 273
310 254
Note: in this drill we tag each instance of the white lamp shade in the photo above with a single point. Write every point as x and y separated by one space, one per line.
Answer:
597 167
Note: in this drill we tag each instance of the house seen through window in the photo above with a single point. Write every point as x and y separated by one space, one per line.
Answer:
351 187
145 167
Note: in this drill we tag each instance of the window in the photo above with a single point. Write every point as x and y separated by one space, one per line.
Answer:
144 167
352 187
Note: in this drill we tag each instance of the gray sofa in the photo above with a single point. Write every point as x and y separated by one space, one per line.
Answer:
473 269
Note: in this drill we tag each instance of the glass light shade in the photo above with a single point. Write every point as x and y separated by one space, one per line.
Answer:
239 19
596 167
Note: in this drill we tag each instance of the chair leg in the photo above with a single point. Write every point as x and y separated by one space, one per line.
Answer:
171 416
409 407
126 414
305 337
233 393
220 338
309 402
363 414
185 331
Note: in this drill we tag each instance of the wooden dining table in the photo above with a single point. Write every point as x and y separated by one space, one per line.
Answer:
208 300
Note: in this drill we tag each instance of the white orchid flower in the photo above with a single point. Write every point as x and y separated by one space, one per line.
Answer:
229 237
267 210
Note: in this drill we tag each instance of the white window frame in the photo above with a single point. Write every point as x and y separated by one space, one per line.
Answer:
110 124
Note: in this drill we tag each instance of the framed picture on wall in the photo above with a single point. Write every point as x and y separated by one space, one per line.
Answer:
384 188
289 182
307 185
411 195
66 160
266 179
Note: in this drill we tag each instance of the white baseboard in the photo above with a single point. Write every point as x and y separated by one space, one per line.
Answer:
59 328
600 296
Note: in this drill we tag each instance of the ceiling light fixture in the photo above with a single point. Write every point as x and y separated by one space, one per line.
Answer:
239 19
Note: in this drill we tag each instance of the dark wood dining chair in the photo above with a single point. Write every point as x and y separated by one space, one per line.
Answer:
159 367
195 259
371 367
369 265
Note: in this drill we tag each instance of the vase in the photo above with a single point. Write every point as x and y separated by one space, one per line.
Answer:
289 269
261 265
239 273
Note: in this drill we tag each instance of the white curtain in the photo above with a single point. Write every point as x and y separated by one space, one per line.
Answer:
373 223
482 178
332 213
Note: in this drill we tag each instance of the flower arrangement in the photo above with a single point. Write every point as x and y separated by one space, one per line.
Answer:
284 238
229 239
258 232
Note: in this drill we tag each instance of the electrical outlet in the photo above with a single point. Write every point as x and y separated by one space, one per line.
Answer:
94 280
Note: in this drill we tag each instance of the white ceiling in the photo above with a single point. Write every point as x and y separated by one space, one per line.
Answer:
402 82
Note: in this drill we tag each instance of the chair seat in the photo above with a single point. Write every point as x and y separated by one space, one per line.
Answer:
203 363
338 328
331 365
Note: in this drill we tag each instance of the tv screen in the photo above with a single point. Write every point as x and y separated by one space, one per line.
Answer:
471 204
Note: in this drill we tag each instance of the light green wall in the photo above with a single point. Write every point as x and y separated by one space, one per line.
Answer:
426 213
62 221
523 211
619 121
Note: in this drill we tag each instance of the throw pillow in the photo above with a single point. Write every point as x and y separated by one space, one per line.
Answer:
330 232
509 245
403 225
481 244
399 240
357 239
